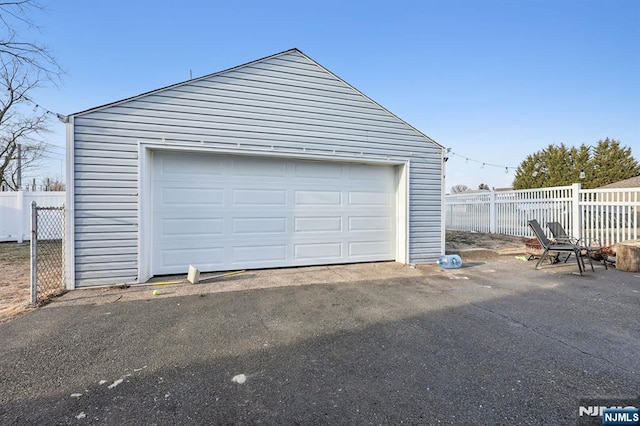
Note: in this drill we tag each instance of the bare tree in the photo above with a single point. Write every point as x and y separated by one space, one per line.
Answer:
21 125
24 66
30 54
459 188
52 184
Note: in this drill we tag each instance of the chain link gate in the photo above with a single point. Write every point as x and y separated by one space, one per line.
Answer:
47 252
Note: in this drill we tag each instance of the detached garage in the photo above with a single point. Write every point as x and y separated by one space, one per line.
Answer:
274 163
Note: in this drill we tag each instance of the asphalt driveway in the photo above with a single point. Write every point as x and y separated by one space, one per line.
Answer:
495 342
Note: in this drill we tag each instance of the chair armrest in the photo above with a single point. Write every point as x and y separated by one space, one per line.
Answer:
594 244
568 240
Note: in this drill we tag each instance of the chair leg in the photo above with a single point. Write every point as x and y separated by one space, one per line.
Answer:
580 258
578 261
542 256
590 261
588 254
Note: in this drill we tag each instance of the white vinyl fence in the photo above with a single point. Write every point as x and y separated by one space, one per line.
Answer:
15 212
606 215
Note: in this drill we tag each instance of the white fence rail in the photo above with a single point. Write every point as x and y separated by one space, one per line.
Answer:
15 212
607 215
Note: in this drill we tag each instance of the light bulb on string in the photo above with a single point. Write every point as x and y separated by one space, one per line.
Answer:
482 163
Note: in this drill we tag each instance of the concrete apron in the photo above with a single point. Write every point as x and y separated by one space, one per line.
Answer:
161 287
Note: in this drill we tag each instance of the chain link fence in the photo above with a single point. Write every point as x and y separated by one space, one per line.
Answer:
47 252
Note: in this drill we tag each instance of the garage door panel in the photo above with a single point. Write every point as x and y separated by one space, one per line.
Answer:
193 227
187 165
262 212
312 210
259 197
369 198
369 174
317 198
181 196
332 251
257 167
317 224
262 253
318 170
179 258
369 223
259 225
369 248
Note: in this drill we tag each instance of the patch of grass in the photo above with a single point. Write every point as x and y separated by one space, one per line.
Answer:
12 253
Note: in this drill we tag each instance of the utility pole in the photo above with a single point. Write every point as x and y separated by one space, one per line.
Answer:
19 167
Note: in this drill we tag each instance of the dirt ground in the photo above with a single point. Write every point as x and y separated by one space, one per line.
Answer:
15 271
461 241
14 279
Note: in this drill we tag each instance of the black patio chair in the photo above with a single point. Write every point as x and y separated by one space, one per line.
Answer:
553 246
561 236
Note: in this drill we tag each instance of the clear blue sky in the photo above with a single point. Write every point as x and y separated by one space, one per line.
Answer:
494 80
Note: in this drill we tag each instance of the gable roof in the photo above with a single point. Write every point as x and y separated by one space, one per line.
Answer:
633 182
208 76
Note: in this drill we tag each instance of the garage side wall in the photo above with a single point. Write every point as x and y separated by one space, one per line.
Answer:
286 102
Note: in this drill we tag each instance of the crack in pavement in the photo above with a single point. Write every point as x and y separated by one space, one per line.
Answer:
557 339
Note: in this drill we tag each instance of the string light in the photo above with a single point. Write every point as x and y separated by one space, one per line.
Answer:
482 163
38 106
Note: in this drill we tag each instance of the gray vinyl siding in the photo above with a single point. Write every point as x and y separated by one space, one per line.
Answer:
286 101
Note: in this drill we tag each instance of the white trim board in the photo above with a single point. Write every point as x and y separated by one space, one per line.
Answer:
70 235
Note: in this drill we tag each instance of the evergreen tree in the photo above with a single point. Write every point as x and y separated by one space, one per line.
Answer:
555 165
580 169
610 163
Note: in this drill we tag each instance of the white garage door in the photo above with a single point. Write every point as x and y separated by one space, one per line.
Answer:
221 212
